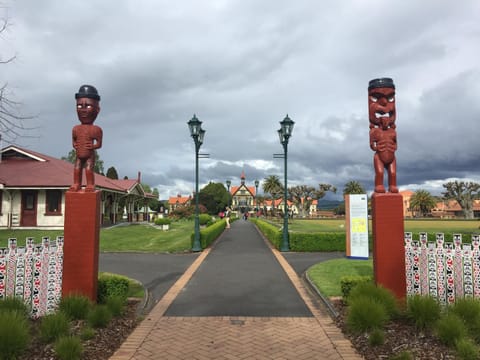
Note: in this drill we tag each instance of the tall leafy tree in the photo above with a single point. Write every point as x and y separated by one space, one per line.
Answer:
272 185
464 192
302 196
353 187
423 202
215 197
72 156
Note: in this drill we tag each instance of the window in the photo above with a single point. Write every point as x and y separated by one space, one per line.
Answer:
54 202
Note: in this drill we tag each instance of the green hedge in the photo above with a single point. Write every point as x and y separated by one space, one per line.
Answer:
325 241
209 234
448 237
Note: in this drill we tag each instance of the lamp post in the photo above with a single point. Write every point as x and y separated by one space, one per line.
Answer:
256 191
228 182
284 133
197 134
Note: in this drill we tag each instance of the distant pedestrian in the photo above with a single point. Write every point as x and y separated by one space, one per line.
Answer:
227 217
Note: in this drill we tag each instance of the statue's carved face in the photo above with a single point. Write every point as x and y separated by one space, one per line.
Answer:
381 107
87 110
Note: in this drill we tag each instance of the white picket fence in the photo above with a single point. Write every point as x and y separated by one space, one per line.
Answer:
33 273
443 270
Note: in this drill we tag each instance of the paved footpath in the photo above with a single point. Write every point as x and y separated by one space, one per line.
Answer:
239 299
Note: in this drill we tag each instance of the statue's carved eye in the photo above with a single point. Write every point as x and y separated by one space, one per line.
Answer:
391 99
373 98
79 106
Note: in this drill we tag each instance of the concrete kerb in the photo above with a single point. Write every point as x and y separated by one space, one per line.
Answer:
324 299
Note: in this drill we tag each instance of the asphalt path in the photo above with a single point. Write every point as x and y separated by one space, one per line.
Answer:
240 277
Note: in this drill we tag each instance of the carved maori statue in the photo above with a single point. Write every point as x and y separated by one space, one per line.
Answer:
383 136
86 137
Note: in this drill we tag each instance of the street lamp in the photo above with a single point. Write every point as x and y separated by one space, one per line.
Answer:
284 133
197 134
256 192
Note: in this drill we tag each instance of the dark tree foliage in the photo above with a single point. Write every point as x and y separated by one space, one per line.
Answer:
112 173
214 197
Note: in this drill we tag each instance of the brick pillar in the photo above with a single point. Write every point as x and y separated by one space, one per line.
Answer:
81 247
388 242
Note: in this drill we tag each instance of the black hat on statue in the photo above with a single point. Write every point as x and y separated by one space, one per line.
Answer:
87 91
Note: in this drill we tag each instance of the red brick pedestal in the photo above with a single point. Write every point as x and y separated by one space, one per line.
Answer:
388 242
82 232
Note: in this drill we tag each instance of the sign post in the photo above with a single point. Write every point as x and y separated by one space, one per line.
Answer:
356 222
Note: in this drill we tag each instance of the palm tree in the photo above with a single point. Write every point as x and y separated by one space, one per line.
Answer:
272 186
422 201
353 187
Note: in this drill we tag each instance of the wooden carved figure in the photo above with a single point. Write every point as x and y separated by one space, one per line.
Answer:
86 137
383 137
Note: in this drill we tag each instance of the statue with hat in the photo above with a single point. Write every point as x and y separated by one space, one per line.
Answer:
383 136
86 137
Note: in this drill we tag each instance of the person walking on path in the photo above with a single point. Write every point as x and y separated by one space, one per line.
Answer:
227 217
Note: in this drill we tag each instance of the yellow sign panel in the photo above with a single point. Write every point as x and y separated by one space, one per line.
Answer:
359 225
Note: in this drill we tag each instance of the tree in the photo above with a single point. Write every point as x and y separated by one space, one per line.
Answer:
272 186
302 196
12 124
423 202
72 156
215 197
323 188
353 187
112 173
464 192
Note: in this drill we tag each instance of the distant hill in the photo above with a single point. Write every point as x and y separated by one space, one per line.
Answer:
328 204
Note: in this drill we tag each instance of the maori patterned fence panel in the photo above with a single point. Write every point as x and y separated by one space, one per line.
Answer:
443 270
33 273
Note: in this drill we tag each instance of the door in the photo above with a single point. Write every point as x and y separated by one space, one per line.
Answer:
29 208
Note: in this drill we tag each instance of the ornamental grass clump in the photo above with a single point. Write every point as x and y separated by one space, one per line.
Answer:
380 294
468 309
450 328
376 337
14 334
366 314
53 326
467 350
11 303
423 311
116 305
76 307
68 348
99 316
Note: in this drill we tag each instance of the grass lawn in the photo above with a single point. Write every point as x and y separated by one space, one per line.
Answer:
326 275
133 238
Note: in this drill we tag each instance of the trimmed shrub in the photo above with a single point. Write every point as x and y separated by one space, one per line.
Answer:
271 232
111 285
99 317
450 329
68 348
324 241
163 221
209 234
347 283
75 306
366 314
204 219
53 326
14 334
424 311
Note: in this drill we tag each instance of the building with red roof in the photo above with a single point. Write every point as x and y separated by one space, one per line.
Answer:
33 186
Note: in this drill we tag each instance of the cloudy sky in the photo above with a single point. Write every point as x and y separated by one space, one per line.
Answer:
241 66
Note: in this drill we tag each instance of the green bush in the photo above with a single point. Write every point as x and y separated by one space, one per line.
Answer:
347 283
14 334
111 285
325 241
271 232
467 350
424 311
378 293
99 316
68 348
75 306
163 221
53 326
366 314
450 329
203 219
376 337
14 304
